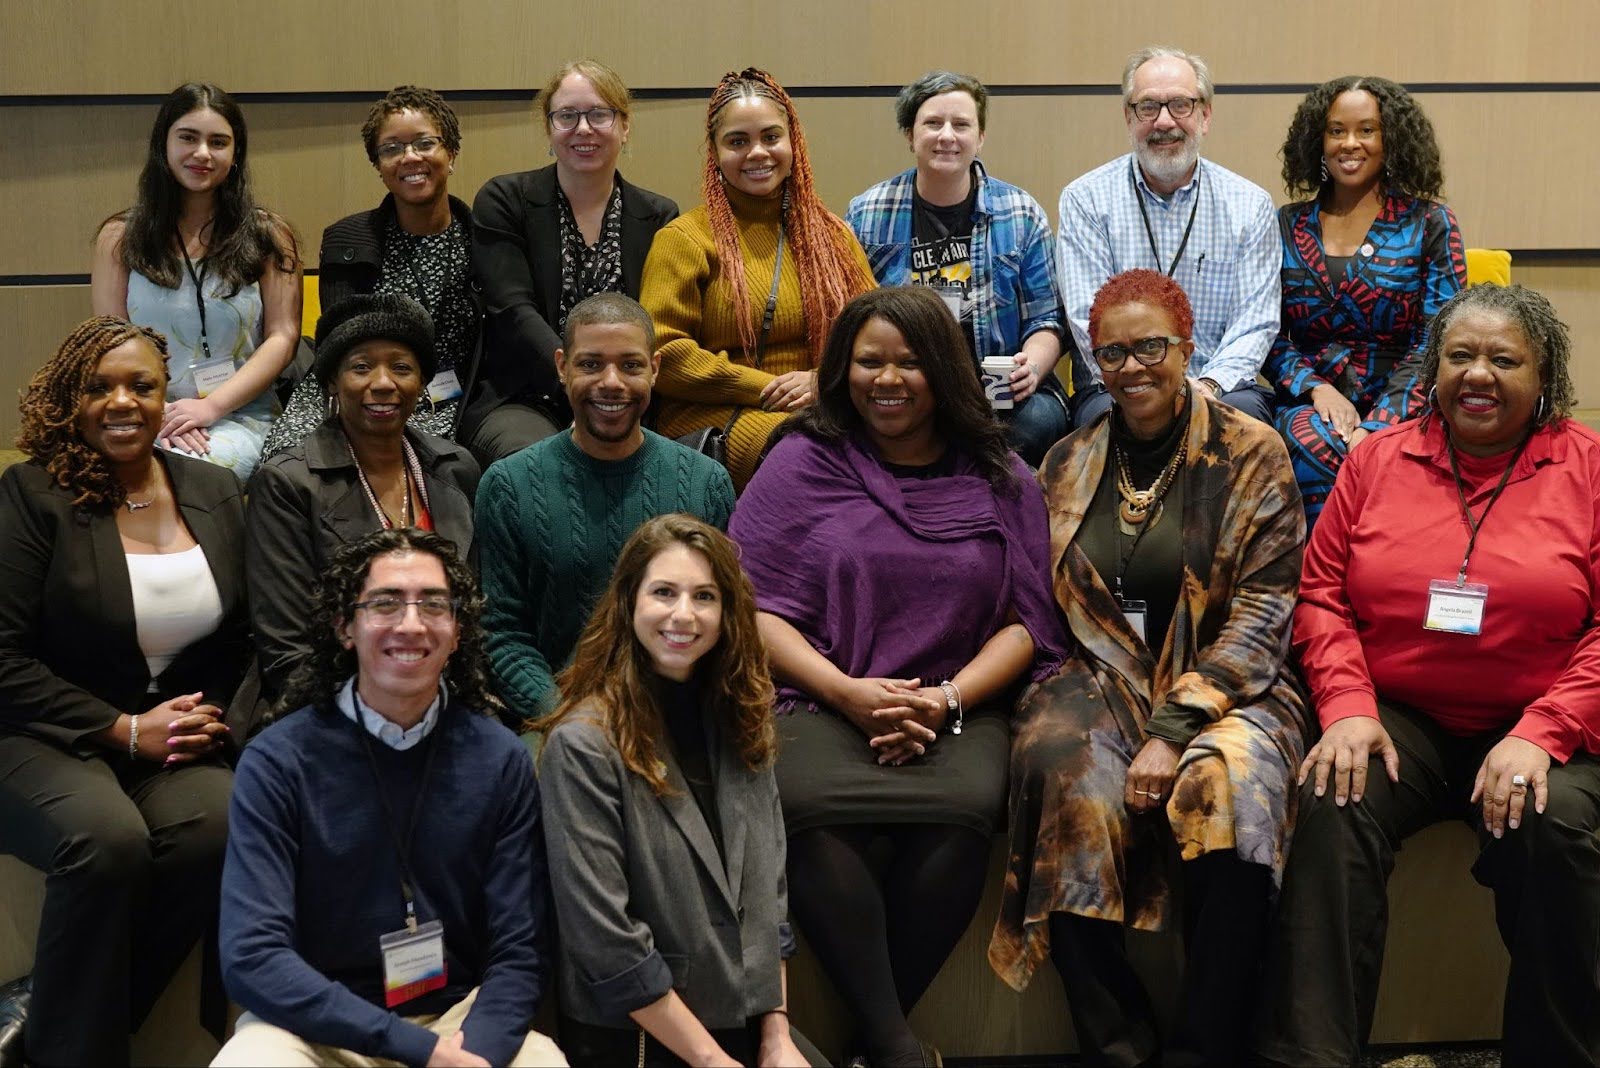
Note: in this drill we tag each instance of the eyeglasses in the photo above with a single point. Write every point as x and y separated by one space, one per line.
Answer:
1147 350
388 611
1179 107
390 151
566 119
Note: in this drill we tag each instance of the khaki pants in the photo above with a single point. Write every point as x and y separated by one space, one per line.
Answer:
256 1044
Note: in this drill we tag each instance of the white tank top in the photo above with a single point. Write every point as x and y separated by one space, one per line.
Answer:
175 603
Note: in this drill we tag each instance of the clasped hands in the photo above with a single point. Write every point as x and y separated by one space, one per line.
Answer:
180 730
900 717
184 425
1511 770
789 392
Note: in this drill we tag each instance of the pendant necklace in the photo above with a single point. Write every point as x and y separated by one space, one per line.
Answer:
1138 505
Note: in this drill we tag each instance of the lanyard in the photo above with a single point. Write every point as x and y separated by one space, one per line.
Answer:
402 846
1475 525
1138 198
198 277
414 473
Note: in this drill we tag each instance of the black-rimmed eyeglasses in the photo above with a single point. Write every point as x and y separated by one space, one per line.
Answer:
1179 107
566 119
1147 350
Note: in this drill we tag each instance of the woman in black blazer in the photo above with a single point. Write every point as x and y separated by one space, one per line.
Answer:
661 816
123 635
363 470
417 241
542 241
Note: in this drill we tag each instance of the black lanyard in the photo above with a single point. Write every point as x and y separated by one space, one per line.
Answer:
402 845
1138 198
1475 525
199 278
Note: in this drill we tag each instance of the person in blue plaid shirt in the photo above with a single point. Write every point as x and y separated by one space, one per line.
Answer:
982 244
1164 207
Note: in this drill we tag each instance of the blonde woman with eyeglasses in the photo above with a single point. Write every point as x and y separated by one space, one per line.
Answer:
542 241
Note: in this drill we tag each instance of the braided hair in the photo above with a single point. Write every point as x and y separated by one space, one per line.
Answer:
49 409
824 248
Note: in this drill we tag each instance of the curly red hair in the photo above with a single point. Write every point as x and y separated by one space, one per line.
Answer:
1142 286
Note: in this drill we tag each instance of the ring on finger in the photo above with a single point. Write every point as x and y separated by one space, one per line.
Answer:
1519 780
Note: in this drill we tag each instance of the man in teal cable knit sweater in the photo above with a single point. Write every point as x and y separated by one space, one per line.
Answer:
551 519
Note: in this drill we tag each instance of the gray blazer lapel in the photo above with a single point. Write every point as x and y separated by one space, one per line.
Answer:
680 805
733 799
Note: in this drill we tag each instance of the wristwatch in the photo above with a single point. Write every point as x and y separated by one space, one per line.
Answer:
1211 384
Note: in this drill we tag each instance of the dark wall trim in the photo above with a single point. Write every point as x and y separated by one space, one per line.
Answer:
1520 257
811 91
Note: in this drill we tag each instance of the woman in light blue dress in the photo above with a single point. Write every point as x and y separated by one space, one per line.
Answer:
196 259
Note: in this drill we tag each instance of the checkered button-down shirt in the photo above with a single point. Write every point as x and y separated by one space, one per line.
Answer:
1229 268
1013 292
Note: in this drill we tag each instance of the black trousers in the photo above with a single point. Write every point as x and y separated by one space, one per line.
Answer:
1323 971
132 856
593 1046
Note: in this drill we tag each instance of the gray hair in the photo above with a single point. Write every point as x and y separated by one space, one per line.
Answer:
932 84
1202 73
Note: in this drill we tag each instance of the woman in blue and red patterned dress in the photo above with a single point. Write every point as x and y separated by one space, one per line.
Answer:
1367 261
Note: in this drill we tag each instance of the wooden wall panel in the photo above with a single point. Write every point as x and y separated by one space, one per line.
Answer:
308 164
95 46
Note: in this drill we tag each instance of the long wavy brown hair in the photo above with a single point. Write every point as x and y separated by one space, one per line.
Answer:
824 247
49 409
612 673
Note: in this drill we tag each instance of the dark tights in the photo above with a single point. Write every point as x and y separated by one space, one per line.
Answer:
1225 926
882 940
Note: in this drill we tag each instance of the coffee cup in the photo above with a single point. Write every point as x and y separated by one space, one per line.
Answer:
997 381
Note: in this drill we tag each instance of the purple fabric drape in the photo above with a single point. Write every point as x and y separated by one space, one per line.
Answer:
892 576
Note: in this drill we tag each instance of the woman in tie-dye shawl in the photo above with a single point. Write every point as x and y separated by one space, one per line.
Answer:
1140 769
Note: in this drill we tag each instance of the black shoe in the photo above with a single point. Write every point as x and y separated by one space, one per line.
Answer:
15 997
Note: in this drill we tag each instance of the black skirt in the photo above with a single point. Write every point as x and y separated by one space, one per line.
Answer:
828 775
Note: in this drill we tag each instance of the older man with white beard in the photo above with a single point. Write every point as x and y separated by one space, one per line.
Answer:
1161 206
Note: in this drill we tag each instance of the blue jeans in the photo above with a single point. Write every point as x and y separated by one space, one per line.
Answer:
1036 424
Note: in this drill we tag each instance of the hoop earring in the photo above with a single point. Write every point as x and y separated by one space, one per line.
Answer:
333 405
1433 397
1538 411
1324 169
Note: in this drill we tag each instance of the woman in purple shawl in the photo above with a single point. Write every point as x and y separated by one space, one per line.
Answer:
898 551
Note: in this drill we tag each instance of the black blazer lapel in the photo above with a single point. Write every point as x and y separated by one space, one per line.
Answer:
637 234
544 239
116 592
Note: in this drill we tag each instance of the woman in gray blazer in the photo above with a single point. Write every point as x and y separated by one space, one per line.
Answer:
661 817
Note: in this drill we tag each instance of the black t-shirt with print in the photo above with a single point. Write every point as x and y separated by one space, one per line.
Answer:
941 251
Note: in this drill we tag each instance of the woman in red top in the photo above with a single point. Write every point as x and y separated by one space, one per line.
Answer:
1446 628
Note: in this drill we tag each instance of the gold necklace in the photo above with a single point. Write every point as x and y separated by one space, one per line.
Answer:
1136 504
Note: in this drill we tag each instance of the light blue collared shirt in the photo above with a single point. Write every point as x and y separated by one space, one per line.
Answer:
389 733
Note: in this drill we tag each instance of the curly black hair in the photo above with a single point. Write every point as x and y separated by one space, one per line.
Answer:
1547 336
320 679
962 415
411 98
1410 150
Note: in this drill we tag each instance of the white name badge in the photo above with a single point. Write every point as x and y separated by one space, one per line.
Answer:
413 962
211 374
444 387
1134 611
1456 609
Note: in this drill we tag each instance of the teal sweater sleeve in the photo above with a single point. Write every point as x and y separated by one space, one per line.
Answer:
514 580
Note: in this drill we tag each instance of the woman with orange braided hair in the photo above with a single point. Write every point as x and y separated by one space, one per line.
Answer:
123 636
744 288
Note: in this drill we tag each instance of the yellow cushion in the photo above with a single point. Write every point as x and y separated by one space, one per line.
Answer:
311 305
1488 265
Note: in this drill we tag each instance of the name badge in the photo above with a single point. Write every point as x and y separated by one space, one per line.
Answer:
1134 611
952 297
211 374
1456 609
445 386
413 962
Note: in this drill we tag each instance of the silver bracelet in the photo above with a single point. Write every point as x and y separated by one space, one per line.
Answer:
952 704
133 737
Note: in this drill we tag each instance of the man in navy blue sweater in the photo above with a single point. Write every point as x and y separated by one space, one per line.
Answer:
385 891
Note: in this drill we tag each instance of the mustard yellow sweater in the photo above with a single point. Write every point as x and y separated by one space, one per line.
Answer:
705 371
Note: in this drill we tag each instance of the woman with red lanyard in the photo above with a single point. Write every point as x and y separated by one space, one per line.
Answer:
361 471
